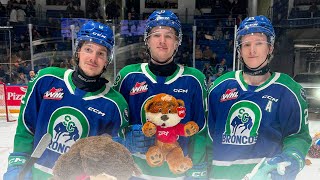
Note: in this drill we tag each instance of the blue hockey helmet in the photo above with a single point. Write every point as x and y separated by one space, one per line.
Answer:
163 18
98 33
256 24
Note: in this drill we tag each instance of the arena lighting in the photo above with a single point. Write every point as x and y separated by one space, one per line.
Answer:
6 27
307 46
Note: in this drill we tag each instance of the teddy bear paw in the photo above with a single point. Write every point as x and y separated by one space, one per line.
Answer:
149 129
191 128
182 167
154 157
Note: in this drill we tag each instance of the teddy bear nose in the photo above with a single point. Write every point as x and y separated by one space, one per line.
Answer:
164 117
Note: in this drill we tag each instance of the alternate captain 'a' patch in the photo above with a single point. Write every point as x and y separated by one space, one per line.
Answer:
242 124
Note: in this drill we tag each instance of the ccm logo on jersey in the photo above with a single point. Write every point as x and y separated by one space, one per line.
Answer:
96 111
270 98
54 94
139 88
229 95
180 90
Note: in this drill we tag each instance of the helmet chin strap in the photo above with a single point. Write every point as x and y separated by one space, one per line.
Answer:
257 71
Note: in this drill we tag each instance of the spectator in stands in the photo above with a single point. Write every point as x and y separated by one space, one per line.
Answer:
2 15
9 7
31 74
70 9
93 7
21 15
35 34
30 11
236 7
47 33
198 12
207 53
226 36
220 69
213 59
113 10
218 34
13 16
229 48
313 9
78 13
230 21
22 79
239 19
198 53
207 71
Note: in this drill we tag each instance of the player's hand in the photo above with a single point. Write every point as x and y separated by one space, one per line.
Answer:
16 162
135 141
295 163
261 171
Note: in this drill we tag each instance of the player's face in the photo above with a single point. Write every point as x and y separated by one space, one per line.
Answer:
162 43
255 49
92 58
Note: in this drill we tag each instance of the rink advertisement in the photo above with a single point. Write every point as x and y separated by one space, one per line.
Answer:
14 95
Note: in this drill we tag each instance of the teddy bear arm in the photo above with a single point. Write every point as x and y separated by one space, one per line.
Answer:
149 129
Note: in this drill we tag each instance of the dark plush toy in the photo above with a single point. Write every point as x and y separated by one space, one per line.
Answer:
93 156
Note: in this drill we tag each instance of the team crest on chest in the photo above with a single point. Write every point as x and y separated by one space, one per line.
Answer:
139 88
242 124
66 126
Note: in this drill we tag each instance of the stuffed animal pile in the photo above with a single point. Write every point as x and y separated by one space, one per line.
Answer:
164 113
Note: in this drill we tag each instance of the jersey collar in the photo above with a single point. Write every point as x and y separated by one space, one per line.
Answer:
170 79
244 86
89 95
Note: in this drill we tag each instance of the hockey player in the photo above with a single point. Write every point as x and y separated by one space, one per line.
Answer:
140 82
69 104
255 113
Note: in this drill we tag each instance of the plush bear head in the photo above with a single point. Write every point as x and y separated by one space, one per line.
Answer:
165 110
95 157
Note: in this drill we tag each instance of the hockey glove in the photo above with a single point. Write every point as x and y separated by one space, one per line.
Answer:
135 141
16 162
198 171
297 162
262 171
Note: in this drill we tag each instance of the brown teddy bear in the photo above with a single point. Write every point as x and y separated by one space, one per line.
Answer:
164 113
93 158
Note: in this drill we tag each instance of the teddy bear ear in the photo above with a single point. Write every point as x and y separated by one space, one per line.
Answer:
180 102
148 104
